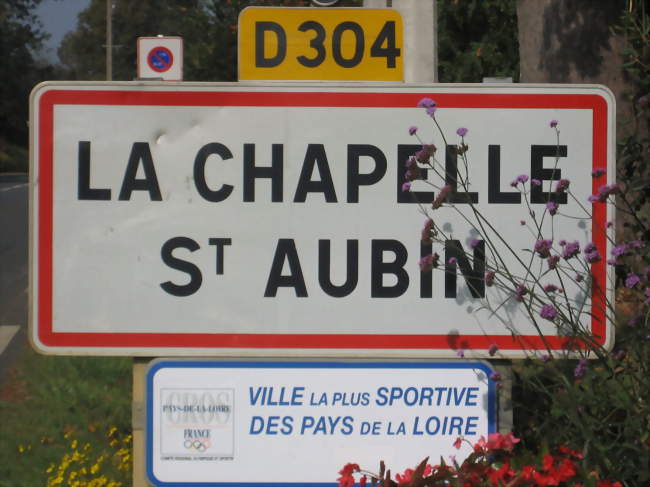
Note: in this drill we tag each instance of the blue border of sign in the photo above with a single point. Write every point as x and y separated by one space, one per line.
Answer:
295 364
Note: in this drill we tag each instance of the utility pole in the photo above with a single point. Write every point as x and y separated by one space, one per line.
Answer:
109 40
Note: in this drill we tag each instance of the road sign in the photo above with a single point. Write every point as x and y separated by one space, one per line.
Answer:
207 417
350 44
160 57
249 220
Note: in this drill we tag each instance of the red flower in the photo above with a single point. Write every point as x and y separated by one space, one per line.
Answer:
608 483
565 450
458 443
527 472
346 479
566 469
500 476
405 477
548 462
497 441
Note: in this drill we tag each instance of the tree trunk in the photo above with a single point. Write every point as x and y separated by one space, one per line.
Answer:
571 41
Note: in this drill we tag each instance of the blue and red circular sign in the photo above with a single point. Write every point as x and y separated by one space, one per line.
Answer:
160 59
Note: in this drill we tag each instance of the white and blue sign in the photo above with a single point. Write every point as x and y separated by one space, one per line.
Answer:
160 57
254 423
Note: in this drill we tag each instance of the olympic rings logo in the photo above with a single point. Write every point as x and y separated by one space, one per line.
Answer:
198 444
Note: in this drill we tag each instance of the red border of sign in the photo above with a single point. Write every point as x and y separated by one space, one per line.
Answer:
53 97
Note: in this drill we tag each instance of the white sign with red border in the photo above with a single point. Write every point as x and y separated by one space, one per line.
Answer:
160 57
266 220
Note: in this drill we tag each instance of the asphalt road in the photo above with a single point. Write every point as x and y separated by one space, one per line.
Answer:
14 224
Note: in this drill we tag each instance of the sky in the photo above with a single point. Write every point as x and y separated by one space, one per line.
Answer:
58 17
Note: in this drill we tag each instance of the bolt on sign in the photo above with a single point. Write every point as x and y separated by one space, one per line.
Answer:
208 421
345 44
260 220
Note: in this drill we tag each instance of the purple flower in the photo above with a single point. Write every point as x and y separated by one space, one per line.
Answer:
535 182
495 376
546 357
423 155
596 173
632 280
522 222
413 130
462 131
619 355
426 102
612 262
520 292
452 260
431 111
522 178
493 349
441 198
647 273
562 185
562 242
406 186
636 244
620 250
551 288
460 353
474 243
553 123
580 369
647 295
548 312
552 261
571 249
604 192
591 253
429 262
426 231
610 224
543 247
552 207
489 278
579 278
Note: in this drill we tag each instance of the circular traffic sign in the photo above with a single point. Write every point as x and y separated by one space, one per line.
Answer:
160 59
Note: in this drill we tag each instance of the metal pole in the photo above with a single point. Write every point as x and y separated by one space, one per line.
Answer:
109 40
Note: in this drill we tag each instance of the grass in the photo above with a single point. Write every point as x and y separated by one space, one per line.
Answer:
51 407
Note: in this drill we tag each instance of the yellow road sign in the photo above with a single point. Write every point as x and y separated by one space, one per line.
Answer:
334 44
